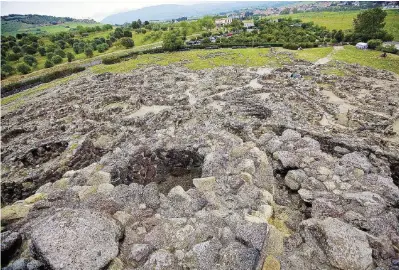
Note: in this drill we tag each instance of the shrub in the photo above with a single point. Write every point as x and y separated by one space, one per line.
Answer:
56 59
48 64
42 51
89 52
70 56
290 46
374 43
30 60
23 68
29 49
7 70
127 33
60 53
127 42
50 55
16 49
102 47
389 49
14 56
111 60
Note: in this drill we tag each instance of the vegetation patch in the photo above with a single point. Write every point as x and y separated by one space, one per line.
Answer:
368 58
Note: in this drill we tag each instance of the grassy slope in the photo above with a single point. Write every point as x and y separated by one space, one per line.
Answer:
12 28
368 58
139 40
343 20
200 59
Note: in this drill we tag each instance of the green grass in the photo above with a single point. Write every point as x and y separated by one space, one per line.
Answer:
197 59
312 55
368 58
16 100
343 20
12 27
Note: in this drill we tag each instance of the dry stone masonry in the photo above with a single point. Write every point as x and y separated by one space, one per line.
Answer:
225 168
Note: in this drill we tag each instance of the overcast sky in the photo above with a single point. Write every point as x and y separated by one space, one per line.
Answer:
85 9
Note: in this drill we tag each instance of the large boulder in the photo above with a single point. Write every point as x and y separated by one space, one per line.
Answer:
345 246
76 239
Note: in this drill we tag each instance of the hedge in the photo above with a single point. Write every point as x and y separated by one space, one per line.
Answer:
16 87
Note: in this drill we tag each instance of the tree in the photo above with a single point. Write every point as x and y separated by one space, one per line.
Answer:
207 23
42 51
30 60
127 42
236 25
70 56
14 56
78 47
369 24
56 59
135 25
7 70
89 52
146 22
16 49
127 33
48 64
102 47
172 41
50 55
29 49
23 68
339 36
60 53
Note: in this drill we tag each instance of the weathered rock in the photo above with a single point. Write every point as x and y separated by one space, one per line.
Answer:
140 252
160 260
76 239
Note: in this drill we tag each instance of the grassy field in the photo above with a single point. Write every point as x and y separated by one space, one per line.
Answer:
197 59
344 20
200 59
368 58
12 28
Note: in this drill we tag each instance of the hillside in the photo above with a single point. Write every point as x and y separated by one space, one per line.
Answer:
168 12
344 20
215 159
33 23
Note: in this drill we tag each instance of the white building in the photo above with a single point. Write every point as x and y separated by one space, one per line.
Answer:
362 45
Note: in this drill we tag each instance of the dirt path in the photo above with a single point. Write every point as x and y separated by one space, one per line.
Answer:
328 58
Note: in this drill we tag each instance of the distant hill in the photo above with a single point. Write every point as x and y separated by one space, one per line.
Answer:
169 11
41 19
33 23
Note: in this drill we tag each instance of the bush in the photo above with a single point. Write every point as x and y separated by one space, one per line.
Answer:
56 59
290 46
89 52
389 49
30 60
127 33
7 70
42 51
374 43
23 68
60 53
111 60
16 49
29 49
70 56
127 42
48 64
50 55
14 56
102 47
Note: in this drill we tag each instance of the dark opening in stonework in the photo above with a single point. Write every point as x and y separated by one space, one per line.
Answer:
167 168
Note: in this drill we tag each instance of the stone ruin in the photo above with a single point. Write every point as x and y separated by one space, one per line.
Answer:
168 168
